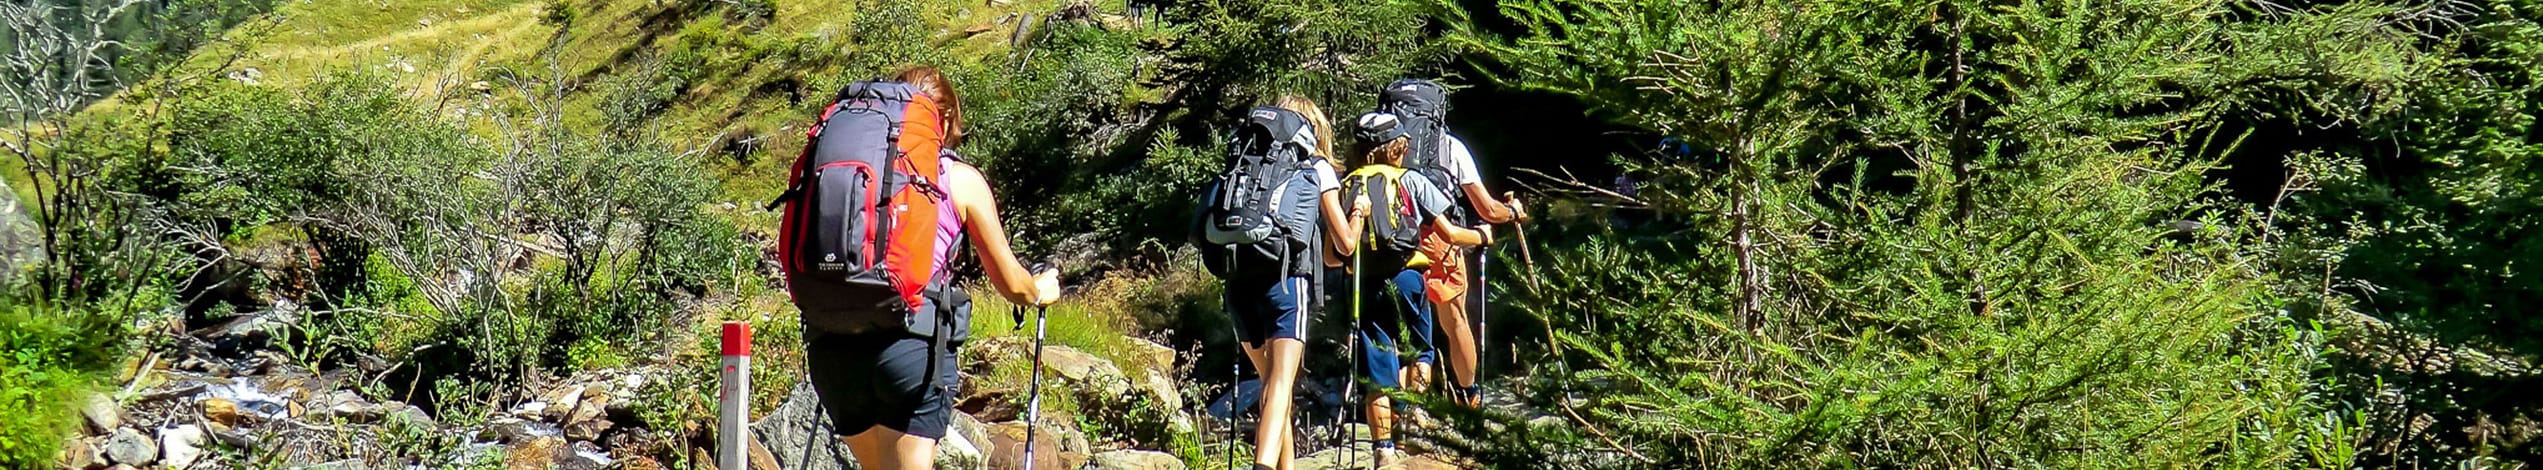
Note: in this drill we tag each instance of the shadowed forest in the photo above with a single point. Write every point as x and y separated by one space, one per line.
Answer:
1812 234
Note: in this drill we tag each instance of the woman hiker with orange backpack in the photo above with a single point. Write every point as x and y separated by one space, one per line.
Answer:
877 204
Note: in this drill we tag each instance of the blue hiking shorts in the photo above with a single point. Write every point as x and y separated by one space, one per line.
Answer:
1269 309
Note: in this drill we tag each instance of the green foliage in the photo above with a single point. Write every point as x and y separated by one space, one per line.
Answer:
50 357
2417 223
1942 235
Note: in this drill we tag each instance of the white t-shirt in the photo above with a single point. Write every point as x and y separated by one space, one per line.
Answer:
1325 179
1461 164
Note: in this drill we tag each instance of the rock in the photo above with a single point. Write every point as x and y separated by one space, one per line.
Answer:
394 412
800 436
583 456
587 430
559 402
591 408
1087 372
102 413
179 446
761 459
77 454
957 449
704 461
480 86
127 446
1133 460
1159 358
508 430
1055 447
20 243
640 463
536 454
220 410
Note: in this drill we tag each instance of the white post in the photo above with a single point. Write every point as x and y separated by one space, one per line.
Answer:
732 447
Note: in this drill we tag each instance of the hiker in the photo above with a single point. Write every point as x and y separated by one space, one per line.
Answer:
1421 108
1271 220
882 322
1399 210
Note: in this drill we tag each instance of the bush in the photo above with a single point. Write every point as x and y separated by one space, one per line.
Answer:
2012 261
51 356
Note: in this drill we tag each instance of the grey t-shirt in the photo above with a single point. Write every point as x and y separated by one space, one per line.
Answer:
1429 200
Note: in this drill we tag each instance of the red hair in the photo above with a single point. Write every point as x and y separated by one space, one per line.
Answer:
933 83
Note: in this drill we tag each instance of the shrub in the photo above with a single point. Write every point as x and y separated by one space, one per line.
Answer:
1895 250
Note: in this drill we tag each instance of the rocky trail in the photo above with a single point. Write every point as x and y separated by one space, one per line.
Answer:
227 396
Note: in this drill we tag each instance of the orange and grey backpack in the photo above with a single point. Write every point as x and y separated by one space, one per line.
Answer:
868 225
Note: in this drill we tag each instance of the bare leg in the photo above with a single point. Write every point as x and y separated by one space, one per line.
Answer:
1461 343
885 449
1279 365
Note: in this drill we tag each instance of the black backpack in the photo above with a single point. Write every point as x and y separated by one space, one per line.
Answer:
1395 225
1259 217
1422 107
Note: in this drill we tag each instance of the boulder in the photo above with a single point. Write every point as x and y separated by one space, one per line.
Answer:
180 446
101 413
1133 460
1155 357
1085 372
78 454
799 435
535 454
220 411
20 243
558 402
130 447
960 449
1055 446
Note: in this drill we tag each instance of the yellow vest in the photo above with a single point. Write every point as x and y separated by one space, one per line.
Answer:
1394 175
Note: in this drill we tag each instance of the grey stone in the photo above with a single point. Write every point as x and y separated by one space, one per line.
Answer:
1133 460
960 449
1084 370
408 413
180 445
78 454
101 412
127 446
20 243
799 435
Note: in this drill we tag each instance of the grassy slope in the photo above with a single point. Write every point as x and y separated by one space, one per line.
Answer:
439 48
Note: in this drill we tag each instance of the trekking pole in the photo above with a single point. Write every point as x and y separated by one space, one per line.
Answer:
1033 402
1350 442
1483 321
1524 257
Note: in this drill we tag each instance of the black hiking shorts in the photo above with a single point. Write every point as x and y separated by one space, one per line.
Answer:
883 378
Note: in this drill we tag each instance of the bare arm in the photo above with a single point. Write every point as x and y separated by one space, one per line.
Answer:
979 210
1339 230
1493 210
1460 235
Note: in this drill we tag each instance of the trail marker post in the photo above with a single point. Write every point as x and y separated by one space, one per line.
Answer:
731 448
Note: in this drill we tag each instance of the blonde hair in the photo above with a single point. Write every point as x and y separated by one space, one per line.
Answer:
1315 117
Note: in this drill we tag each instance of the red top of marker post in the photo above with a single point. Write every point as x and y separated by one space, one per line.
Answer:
737 338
